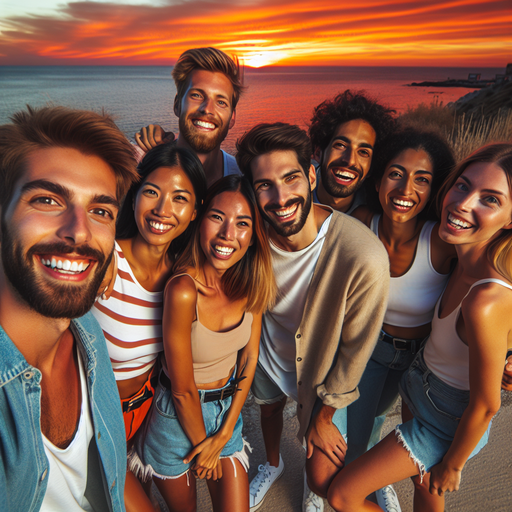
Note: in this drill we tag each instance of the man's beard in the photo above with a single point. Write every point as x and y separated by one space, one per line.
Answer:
202 142
334 189
292 228
50 299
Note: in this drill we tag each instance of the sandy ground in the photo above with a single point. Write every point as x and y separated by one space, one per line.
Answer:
486 479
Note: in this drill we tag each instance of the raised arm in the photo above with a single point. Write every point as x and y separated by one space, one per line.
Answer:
151 136
486 314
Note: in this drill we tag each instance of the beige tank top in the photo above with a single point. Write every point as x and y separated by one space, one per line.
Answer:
214 353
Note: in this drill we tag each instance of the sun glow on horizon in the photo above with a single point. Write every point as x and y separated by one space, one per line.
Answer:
263 33
260 59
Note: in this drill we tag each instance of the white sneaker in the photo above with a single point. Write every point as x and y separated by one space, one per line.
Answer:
311 502
387 499
262 482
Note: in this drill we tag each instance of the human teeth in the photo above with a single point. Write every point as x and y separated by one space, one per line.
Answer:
224 250
401 202
66 266
159 226
458 222
286 212
204 124
345 174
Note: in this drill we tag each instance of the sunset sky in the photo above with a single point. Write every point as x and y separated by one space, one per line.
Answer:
262 32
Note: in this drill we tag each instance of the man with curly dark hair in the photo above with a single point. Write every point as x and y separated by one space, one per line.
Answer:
345 133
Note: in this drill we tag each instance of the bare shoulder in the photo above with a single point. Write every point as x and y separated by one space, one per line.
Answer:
488 302
363 214
181 291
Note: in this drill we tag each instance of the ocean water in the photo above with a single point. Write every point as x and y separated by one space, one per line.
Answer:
139 95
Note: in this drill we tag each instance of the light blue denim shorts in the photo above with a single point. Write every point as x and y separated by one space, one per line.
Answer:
160 447
437 408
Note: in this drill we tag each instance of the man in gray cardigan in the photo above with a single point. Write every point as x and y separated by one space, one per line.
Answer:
333 279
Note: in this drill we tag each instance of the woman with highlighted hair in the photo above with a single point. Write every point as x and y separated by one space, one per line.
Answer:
211 327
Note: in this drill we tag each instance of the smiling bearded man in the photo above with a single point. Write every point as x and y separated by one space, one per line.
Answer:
332 275
346 133
52 299
63 174
209 84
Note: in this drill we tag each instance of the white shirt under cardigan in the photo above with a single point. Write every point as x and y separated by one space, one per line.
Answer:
293 271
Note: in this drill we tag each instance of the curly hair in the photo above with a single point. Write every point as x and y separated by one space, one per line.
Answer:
346 107
439 154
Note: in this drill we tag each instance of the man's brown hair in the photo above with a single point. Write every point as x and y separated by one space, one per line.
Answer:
208 59
265 138
49 127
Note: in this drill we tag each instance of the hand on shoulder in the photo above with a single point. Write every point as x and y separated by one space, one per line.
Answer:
151 136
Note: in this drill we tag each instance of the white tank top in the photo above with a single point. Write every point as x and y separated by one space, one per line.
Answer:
413 296
67 479
446 354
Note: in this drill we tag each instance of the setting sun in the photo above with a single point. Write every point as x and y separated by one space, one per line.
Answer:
289 32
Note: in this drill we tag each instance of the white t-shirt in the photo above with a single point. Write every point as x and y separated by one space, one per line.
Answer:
293 271
67 480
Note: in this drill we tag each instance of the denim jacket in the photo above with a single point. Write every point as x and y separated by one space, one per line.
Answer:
23 463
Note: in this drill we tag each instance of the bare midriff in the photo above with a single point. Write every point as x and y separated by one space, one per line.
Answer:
209 385
218 383
129 387
407 333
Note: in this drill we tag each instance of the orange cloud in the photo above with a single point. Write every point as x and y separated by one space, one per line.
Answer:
368 32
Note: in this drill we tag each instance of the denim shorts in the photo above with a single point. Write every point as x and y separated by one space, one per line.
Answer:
437 408
160 447
264 389
267 392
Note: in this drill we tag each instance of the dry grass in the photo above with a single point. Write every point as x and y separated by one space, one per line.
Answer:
470 132
465 132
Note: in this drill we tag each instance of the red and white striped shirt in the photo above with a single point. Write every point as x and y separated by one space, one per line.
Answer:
131 320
